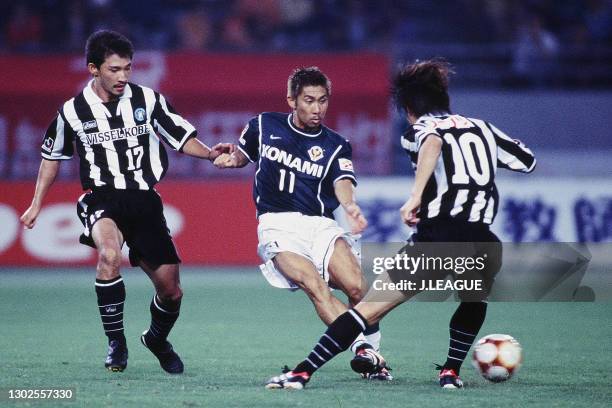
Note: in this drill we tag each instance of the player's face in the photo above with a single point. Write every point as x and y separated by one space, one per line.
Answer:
112 76
310 106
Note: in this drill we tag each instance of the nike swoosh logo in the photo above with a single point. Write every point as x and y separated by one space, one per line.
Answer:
275 137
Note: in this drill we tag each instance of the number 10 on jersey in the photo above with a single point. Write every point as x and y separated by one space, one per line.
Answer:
281 182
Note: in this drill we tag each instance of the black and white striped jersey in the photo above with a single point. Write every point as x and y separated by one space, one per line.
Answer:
118 142
462 186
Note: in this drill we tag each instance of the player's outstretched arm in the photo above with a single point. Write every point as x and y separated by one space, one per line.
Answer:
345 193
195 148
428 156
231 160
512 154
46 176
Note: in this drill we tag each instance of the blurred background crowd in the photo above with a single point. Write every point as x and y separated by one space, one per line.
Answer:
498 43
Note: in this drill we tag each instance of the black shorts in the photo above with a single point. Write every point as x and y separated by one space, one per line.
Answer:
454 241
139 214
444 230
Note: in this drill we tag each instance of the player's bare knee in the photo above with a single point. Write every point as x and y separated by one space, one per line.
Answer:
177 295
109 260
171 299
352 285
360 285
355 293
171 294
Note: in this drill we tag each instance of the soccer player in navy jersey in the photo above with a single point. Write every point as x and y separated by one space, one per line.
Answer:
304 172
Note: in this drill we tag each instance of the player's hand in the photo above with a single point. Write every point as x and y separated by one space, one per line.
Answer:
221 148
225 160
409 210
355 217
28 219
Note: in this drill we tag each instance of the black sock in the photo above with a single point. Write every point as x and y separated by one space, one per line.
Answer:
338 337
464 326
371 329
111 297
163 316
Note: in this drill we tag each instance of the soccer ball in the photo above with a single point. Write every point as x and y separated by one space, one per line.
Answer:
497 357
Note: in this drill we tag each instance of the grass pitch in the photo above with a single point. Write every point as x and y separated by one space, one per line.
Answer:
235 331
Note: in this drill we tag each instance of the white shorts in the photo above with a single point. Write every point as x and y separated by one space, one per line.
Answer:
312 237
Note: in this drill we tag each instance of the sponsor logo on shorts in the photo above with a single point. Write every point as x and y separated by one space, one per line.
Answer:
48 144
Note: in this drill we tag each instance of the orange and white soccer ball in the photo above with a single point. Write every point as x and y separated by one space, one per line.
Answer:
497 357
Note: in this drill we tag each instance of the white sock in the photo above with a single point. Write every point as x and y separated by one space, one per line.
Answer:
358 342
374 340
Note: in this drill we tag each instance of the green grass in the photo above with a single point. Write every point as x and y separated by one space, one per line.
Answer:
235 332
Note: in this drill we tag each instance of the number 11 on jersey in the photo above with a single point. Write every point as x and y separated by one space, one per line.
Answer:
281 183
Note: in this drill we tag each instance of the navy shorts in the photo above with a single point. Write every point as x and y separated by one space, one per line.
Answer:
139 214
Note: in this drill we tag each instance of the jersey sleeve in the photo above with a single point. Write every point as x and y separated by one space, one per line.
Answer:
409 145
248 143
57 142
512 154
169 125
422 130
342 166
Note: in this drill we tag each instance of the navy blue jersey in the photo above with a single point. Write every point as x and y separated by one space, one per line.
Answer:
296 171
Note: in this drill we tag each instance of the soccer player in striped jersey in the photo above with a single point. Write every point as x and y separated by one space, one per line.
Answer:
118 127
304 172
453 200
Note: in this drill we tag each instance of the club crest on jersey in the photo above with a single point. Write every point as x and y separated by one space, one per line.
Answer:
90 124
140 114
315 153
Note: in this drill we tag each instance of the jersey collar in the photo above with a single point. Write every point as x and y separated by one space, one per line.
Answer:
434 114
292 126
92 98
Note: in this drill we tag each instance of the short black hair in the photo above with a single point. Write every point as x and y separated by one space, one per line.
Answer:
104 43
310 76
422 87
